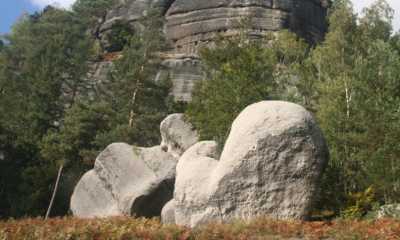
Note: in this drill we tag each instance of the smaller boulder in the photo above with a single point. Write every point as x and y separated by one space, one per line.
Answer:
177 134
129 180
126 180
191 193
168 213
389 211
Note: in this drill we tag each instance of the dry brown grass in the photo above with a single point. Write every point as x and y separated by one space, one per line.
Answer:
129 229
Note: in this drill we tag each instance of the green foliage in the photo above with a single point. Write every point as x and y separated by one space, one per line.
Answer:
240 72
359 204
140 102
92 10
43 68
119 36
356 102
50 116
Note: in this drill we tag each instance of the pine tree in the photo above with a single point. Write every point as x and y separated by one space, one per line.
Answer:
42 73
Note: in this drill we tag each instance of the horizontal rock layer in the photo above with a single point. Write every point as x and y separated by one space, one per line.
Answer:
184 74
132 10
191 24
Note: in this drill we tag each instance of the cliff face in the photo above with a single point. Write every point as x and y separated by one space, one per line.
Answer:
191 24
194 23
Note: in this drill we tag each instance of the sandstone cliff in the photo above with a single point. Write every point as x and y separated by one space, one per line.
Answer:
190 24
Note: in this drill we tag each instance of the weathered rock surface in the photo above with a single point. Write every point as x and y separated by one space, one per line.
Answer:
270 165
177 134
128 180
389 211
191 24
184 73
132 10
168 213
194 23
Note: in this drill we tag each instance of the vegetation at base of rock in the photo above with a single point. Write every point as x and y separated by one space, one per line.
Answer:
262 228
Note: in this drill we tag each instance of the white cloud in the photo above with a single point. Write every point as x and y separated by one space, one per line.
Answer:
395 4
58 3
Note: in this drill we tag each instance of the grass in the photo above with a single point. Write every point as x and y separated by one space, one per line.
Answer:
149 229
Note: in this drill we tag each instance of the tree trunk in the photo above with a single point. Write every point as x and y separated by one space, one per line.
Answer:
54 191
134 96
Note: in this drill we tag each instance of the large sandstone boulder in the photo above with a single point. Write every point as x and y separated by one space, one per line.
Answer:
126 180
271 165
134 181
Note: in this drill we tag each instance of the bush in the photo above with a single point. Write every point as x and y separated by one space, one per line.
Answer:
359 204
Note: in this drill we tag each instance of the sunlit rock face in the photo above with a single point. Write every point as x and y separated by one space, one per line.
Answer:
271 165
191 24
132 10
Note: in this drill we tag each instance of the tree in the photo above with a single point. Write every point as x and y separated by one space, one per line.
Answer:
93 13
92 124
240 72
356 93
43 73
332 63
92 10
75 146
133 92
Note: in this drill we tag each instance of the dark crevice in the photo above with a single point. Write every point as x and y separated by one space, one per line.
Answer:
150 205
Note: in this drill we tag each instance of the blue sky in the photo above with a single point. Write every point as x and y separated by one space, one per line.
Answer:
11 10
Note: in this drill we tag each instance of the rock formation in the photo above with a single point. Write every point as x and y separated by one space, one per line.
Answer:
271 165
388 211
128 180
129 11
168 213
177 135
191 24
